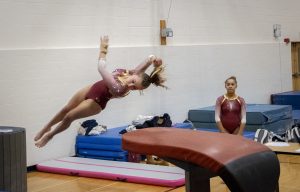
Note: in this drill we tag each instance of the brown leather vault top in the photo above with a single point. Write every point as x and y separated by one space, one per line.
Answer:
207 149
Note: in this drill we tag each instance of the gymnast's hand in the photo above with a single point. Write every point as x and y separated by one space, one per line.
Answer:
104 42
157 62
103 47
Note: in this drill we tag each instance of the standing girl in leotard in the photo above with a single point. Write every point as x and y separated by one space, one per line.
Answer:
230 111
92 99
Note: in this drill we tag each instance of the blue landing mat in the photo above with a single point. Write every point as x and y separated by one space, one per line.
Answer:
104 146
296 114
257 114
287 98
111 137
278 127
247 134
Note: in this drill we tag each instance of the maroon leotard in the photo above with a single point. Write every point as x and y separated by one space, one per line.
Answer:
231 112
100 92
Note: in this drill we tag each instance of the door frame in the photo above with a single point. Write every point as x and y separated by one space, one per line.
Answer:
295 54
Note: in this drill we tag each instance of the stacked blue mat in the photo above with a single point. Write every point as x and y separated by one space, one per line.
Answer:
276 118
288 98
106 146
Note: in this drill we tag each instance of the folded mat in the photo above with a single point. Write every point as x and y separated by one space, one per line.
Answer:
105 146
278 127
110 137
296 114
257 114
287 98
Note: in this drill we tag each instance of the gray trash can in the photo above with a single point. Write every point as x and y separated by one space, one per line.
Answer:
13 167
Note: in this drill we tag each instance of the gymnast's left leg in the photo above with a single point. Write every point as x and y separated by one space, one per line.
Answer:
85 109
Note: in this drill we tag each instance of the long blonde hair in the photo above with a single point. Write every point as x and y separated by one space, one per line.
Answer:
156 77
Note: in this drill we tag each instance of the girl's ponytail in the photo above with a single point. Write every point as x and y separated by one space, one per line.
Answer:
156 76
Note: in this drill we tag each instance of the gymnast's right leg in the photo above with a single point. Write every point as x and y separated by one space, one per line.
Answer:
85 109
74 102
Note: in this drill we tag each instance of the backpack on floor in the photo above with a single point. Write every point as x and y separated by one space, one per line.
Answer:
262 136
277 138
293 134
157 121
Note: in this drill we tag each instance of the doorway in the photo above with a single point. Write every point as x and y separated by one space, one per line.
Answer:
296 65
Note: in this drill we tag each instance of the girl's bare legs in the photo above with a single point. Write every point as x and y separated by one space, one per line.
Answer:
74 102
85 109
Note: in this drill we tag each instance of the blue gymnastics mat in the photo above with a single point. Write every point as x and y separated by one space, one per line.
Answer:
276 118
102 154
247 134
111 137
296 116
287 98
105 146
256 114
278 127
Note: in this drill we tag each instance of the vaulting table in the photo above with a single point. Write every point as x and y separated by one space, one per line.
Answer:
244 165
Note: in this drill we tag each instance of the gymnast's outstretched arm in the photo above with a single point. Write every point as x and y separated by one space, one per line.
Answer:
106 75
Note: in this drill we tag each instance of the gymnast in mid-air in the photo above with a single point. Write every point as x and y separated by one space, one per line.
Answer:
92 99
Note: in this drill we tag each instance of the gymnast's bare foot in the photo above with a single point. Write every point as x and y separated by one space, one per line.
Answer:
44 140
41 133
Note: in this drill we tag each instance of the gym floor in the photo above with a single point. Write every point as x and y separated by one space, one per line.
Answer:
47 182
